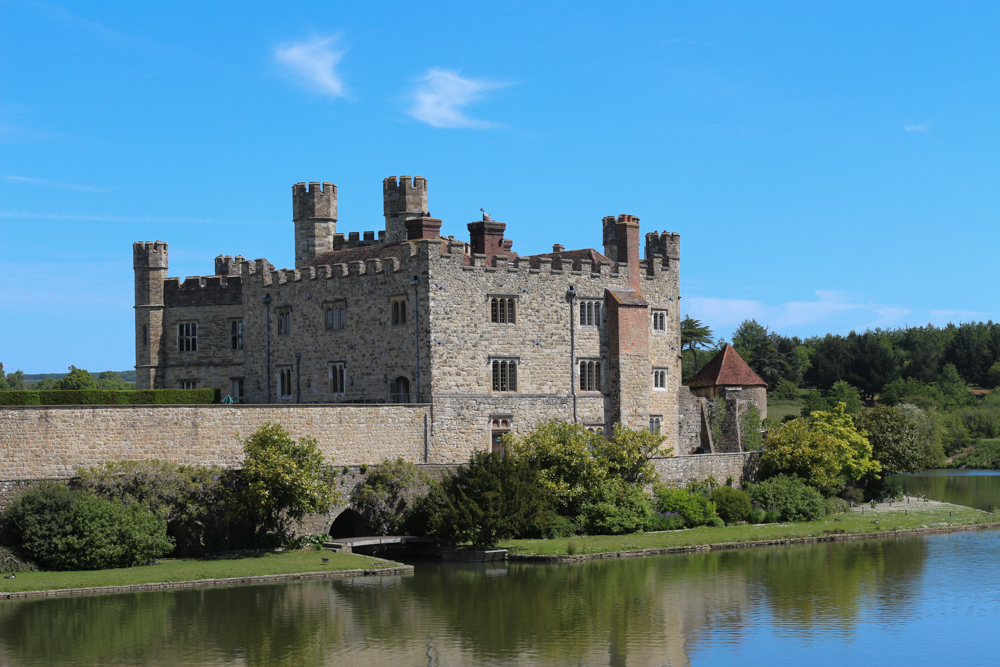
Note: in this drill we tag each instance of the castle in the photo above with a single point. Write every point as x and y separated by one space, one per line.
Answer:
492 341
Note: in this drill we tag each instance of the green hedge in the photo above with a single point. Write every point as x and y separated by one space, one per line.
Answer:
101 397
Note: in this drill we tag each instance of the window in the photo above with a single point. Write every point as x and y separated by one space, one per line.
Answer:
590 313
285 382
659 378
336 372
659 321
503 310
145 336
399 390
187 337
595 428
284 321
398 310
188 384
335 313
237 392
504 374
654 423
590 376
236 334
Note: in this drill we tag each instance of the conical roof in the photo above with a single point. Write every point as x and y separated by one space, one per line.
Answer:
727 369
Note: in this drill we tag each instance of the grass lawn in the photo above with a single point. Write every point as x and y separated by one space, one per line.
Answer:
917 515
189 569
777 409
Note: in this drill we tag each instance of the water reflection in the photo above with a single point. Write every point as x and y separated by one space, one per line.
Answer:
973 488
644 611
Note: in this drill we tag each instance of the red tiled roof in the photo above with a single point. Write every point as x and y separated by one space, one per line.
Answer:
727 369
588 254
362 253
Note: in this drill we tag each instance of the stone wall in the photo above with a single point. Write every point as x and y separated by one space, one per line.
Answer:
693 428
46 442
679 470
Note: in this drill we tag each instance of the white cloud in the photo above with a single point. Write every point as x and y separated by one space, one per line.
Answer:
923 128
39 181
442 96
313 63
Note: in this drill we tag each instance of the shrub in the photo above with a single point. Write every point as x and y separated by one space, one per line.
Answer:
732 505
757 515
190 499
664 521
381 498
492 498
102 397
694 509
424 515
615 509
11 562
787 498
62 529
836 505
281 481
852 494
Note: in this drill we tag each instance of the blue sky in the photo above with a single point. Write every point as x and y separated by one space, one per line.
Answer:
829 166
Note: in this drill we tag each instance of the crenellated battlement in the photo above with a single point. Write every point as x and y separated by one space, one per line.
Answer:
226 265
407 195
318 201
149 254
218 290
666 244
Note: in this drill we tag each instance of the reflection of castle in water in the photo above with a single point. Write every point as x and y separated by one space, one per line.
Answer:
654 611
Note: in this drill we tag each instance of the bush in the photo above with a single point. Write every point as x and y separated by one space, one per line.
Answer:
694 509
191 499
492 498
424 515
381 498
281 481
62 529
853 494
664 521
11 562
101 397
732 505
836 506
787 498
615 509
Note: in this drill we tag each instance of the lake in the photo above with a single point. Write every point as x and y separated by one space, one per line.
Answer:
909 601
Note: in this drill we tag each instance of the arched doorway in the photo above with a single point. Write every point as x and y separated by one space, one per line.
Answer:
349 524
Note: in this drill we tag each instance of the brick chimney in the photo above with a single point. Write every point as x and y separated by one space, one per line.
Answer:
486 238
423 228
627 247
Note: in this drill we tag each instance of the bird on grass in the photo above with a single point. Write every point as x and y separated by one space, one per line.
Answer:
325 561
10 576
875 521
838 520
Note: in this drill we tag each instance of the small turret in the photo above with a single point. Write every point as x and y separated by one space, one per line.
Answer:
666 244
314 212
402 200
149 260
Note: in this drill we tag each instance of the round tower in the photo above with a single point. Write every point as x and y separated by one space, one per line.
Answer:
149 261
402 201
314 212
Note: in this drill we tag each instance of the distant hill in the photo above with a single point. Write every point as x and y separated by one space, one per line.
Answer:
128 376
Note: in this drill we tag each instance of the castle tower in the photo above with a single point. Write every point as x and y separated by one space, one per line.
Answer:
149 260
314 212
402 201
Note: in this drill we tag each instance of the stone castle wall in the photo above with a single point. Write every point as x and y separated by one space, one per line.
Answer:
51 442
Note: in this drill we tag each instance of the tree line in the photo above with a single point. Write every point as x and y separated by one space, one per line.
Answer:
76 379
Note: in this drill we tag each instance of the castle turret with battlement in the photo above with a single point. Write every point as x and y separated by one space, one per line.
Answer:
494 340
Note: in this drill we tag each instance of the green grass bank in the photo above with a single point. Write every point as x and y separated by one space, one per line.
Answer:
169 571
897 517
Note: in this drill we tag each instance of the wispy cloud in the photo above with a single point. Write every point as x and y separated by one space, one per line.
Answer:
442 96
55 184
313 63
923 128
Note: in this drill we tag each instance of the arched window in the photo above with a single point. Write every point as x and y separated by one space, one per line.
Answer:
503 310
590 375
504 375
399 390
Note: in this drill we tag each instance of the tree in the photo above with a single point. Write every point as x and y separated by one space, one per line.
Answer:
77 378
824 449
694 335
492 498
874 362
15 380
3 379
281 480
952 389
893 437
626 456
112 381
842 392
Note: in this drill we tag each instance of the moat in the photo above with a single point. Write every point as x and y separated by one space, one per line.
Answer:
912 601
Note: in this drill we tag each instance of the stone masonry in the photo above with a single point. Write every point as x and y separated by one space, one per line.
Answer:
486 340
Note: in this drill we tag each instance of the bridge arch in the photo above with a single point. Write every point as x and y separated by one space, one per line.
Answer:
349 523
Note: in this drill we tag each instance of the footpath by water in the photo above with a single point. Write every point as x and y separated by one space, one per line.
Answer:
909 601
